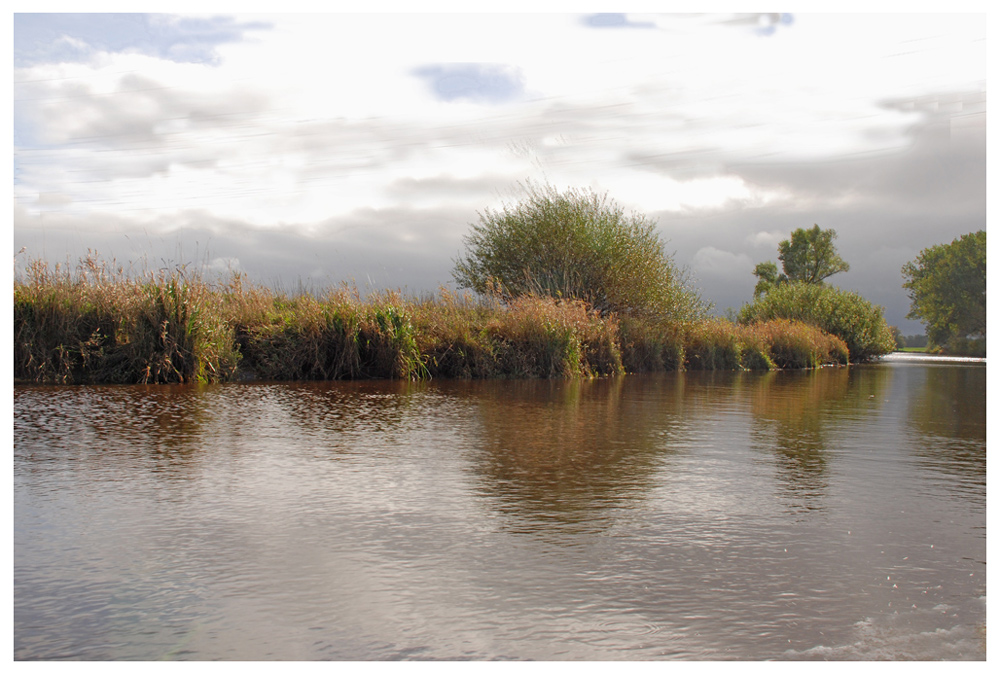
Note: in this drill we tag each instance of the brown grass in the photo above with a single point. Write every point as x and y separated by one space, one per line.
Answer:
101 323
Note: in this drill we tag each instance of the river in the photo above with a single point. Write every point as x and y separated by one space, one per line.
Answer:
834 514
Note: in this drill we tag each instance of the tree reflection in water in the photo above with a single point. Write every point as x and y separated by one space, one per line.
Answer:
946 416
571 450
796 419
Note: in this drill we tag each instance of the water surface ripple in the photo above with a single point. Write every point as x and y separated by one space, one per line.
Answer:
836 514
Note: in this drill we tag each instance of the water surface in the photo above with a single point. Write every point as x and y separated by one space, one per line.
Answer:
836 514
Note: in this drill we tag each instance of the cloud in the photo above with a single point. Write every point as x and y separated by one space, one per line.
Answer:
74 38
768 240
476 82
133 109
57 199
222 265
711 261
376 248
611 20
443 188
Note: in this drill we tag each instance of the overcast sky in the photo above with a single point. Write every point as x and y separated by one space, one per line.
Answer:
335 147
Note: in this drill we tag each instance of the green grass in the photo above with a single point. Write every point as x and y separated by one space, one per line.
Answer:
100 324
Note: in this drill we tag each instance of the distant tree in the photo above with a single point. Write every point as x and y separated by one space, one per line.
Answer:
808 256
897 336
576 244
947 288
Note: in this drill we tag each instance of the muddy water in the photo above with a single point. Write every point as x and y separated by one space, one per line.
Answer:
838 514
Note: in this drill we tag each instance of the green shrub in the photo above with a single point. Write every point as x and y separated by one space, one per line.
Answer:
575 245
964 346
847 315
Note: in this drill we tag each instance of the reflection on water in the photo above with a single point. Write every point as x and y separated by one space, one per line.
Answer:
796 417
936 410
830 514
947 425
569 450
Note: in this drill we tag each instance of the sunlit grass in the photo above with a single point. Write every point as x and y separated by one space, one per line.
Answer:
102 323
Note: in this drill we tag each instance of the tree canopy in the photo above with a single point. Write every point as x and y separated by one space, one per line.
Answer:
575 244
808 256
767 278
947 288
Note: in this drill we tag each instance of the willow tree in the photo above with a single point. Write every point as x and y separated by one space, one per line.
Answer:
576 244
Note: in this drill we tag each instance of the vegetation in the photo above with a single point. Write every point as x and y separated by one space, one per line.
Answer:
808 256
897 337
576 245
100 323
947 288
721 345
847 315
801 294
915 341
568 285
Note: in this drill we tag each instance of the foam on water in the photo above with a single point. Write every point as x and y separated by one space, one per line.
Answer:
898 636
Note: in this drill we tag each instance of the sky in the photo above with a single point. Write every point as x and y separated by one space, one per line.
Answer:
306 150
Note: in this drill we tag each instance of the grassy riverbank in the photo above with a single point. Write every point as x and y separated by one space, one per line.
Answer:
101 324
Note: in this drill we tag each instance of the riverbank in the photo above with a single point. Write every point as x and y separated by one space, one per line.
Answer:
100 324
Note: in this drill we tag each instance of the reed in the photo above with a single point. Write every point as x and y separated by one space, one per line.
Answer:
713 345
723 345
649 346
101 323
528 337
337 336
792 344
104 325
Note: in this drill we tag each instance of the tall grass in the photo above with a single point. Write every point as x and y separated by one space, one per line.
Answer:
99 323
529 337
334 337
102 325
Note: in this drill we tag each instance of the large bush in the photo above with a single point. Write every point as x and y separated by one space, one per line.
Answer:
575 245
844 314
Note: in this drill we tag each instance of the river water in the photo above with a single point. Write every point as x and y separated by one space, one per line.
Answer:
836 514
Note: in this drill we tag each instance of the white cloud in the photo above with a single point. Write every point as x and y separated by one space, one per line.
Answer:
222 265
318 115
767 239
713 262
